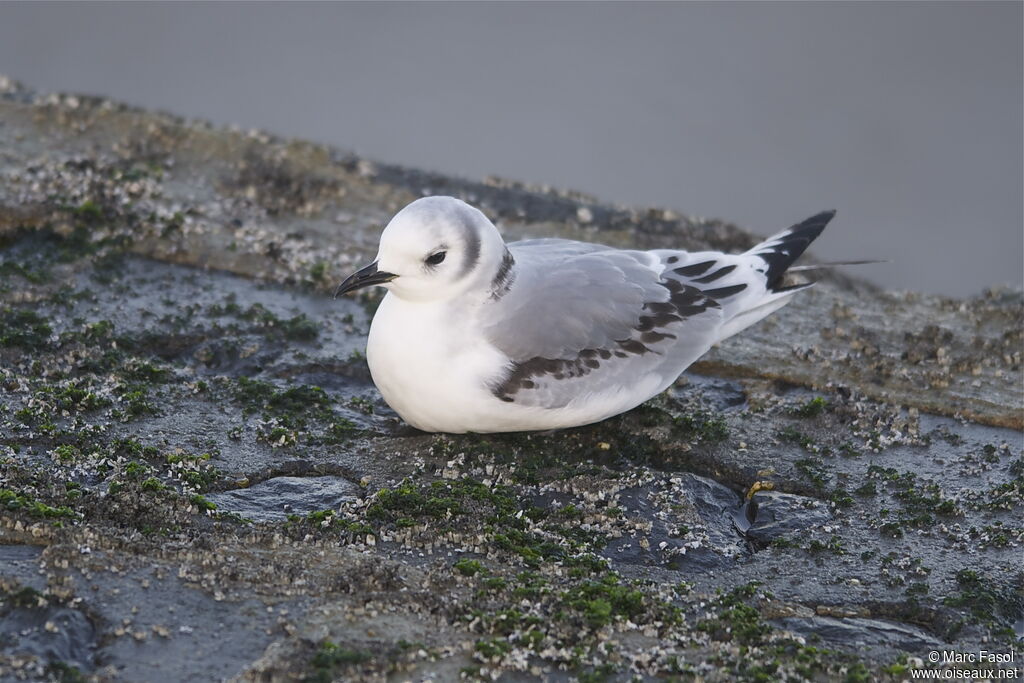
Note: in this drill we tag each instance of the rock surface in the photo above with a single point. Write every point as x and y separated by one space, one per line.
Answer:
199 481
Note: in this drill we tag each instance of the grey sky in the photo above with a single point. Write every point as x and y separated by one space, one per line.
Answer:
907 117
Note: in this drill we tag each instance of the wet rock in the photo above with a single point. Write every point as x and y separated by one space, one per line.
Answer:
203 632
777 514
718 507
694 526
276 498
867 634
720 394
172 366
19 560
51 633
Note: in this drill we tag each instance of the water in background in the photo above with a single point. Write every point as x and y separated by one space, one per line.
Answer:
907 117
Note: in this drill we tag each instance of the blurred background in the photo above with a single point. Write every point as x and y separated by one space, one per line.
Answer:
905 116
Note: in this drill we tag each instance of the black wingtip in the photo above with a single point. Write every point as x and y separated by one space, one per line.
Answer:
812 227
788 247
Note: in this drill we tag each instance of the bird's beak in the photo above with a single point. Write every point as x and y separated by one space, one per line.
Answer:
364 277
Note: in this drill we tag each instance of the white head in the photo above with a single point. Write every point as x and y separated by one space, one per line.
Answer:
434 249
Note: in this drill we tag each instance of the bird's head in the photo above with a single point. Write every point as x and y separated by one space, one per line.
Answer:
434 249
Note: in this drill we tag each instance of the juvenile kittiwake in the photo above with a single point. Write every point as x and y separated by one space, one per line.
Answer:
475 335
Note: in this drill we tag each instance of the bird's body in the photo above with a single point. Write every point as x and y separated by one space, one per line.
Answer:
545 334
431 369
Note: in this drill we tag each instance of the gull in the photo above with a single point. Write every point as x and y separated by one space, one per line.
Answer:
476 335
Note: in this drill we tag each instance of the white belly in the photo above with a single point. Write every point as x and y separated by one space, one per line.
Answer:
429 369
436 372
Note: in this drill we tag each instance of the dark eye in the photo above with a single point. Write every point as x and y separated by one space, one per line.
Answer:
434 259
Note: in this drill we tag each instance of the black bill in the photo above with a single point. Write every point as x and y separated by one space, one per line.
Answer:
364 277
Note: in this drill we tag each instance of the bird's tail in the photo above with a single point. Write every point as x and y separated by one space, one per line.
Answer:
774 256
772 259
781 250
833 264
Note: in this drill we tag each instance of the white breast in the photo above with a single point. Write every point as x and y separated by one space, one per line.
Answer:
437 371
430 366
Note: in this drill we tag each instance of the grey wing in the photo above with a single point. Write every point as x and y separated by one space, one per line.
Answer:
585 319
580 320
568 296
554 248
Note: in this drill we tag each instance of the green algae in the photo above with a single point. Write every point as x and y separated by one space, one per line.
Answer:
735 619
20 502
298 328
153 485
62 672
71 397
791 434
88 212
812 408
988 601
291 407
920 502
23 328
703 425
468 567
202 503
329 522
602 602
330 660
36 276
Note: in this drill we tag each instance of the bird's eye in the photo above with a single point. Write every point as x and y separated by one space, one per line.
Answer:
434 259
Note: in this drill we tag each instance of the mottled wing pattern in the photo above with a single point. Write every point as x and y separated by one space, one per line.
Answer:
746 282
577 322
583 318
564 300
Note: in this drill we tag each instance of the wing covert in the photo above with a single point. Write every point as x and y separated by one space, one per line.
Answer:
599 314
